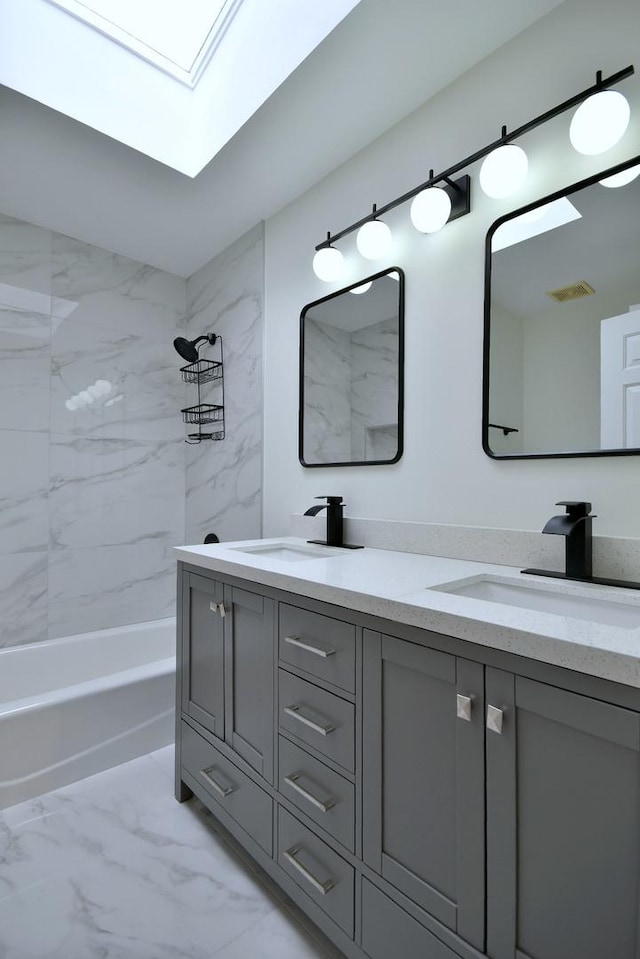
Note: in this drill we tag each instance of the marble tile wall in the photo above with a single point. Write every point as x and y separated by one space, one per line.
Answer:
374 391
91 497
224 479
327 393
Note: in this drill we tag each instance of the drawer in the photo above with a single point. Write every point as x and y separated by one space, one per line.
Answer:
320 645
324 795
318 718
387 930
230 788
319 871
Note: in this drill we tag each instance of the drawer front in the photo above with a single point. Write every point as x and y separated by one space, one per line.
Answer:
318 791
387 930
318 718
320 645
229 787
323 875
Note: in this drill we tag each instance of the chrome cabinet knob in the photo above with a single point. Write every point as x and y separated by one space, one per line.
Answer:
495 718
463 707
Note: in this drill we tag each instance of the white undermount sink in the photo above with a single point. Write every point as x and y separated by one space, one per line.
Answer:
288 552
568 599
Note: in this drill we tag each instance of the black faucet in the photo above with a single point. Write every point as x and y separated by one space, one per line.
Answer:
575 526
334 507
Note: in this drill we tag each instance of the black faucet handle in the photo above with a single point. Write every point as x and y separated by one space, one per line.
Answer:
576 509
331 500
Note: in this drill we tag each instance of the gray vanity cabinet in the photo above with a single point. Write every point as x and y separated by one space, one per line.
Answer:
228 666
203 652
423 779
433 800
563 823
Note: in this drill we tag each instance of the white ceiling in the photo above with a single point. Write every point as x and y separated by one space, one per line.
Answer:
60 174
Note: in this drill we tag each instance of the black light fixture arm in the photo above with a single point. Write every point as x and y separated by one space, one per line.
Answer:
505 137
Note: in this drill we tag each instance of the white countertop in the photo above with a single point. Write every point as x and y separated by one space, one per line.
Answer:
396 587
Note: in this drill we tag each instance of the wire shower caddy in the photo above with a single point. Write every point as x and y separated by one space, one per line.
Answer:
205 414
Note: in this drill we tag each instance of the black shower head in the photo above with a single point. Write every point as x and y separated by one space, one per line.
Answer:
187 349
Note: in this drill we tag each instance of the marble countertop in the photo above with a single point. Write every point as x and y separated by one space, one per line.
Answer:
400 587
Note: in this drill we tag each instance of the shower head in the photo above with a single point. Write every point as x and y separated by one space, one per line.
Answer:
188 349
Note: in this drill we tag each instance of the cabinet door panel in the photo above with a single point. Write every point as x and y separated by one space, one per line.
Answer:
424 780
563 814
203 653
250 663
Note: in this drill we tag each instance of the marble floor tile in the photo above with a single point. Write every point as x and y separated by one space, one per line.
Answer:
278 935
113 868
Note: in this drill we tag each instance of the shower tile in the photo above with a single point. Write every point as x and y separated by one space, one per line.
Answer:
108 492
25 360
120 332
104 586
23 598
25 263
224 479
24 522
224 487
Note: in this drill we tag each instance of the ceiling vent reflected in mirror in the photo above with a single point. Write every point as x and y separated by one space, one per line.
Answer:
573 292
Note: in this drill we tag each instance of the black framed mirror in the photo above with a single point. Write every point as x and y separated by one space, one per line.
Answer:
561 370
352 373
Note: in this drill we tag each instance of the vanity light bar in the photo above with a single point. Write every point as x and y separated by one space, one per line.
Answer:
459 190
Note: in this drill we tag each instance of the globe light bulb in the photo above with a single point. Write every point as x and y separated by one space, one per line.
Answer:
504 171
622 178
599 122
374 240
328 264
361 289
430 210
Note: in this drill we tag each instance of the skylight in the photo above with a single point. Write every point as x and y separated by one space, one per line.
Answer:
177 36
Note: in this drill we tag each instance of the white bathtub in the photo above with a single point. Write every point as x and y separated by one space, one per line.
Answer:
71 707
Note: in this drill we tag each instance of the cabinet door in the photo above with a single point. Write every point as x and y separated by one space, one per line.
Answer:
250 654
203 652
563 824
424 779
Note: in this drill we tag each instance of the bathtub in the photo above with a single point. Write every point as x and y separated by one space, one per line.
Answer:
71 707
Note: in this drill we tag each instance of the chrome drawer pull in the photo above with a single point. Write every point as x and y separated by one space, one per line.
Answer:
322 887
224 791
294 712
292 780
297 642
495 718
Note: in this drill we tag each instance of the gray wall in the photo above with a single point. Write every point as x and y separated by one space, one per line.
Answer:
92 499
224 479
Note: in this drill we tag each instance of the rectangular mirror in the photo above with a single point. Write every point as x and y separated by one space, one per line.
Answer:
562 323
351 374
